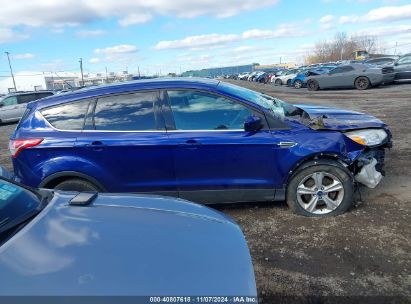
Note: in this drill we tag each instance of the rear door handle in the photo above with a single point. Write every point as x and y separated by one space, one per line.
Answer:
191 144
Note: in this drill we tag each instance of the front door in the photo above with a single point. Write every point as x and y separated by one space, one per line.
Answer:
215 159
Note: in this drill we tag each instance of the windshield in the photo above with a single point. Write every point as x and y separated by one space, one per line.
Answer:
276 106
16 205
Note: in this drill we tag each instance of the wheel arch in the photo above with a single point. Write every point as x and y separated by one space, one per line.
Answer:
355 79
58 177
319 159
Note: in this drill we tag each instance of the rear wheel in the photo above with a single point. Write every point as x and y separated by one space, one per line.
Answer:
278 82
76 184
298 84
320 190
362 83
312 85
289 82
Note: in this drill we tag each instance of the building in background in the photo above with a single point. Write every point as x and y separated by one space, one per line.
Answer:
247 68
215 72
35 81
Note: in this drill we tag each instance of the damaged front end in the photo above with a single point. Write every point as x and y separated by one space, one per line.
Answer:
368 167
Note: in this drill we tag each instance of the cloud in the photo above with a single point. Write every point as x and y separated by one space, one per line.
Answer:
117 49
386 30
63 12
94 60
197 41
90 33
386 13
8 35
283 30
213 40
135 19
23 56
327 22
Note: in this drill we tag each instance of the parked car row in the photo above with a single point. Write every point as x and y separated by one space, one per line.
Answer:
359 74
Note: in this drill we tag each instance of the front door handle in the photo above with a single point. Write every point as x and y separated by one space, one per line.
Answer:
192 142
96 145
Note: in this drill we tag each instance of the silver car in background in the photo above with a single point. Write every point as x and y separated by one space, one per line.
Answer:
13 106
355 75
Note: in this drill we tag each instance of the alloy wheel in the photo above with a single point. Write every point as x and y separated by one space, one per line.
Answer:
320 193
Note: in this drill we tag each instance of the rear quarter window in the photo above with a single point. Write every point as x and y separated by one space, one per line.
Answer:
68 116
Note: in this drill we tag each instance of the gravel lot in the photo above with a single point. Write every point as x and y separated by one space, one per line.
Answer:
365 252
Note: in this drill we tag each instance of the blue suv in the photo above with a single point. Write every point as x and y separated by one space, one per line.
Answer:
202 140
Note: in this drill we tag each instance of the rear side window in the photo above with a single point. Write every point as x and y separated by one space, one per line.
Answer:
128 112
26 98
68 116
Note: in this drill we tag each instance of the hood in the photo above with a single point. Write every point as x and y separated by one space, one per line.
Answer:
340 120
128 245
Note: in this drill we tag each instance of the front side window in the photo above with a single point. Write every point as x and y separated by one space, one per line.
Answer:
336 71
129 112
9 101
68 116
195 110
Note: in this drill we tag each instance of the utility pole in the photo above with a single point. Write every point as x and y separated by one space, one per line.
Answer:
139 76
106 76
11 71
81 69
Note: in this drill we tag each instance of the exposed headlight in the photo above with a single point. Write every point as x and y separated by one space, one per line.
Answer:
368 137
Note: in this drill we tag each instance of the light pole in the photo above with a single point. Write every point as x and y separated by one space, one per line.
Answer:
81 69
11 71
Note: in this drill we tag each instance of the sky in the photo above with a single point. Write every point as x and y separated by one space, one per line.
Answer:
162 36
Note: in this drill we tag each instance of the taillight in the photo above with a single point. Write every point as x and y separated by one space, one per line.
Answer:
18 145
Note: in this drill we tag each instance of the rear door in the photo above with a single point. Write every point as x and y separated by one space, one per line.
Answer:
125 144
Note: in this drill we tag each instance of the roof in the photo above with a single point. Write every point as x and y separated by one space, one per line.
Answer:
129 86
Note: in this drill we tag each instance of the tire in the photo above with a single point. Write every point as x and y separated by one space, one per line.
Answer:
289 82
278 82
76 184
312 85
362 83
304 199
298 84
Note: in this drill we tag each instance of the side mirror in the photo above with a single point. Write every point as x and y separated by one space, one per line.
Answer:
395 63
253 124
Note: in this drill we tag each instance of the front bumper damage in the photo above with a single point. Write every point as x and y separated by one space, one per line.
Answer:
368 169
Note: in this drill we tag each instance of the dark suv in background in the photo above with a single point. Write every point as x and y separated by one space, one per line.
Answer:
402 67
13 106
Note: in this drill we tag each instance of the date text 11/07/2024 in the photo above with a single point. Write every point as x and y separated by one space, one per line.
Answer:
205 299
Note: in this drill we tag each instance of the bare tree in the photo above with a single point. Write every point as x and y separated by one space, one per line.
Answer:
341 47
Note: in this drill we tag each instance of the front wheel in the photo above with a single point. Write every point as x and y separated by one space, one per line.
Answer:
320 190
